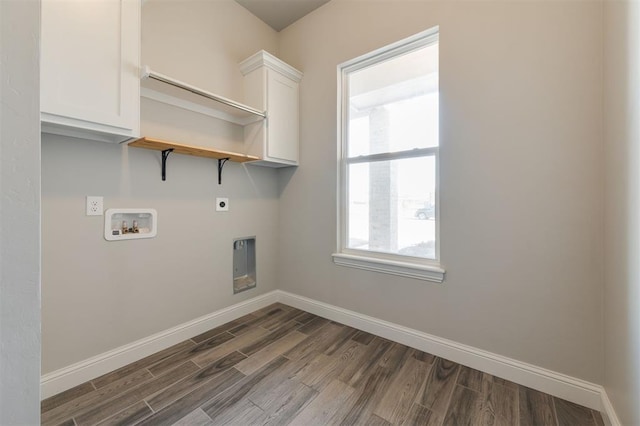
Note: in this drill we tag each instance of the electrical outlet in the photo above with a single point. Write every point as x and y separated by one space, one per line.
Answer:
222 204
94 206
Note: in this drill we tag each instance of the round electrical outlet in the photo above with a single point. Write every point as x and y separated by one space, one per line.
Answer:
222 204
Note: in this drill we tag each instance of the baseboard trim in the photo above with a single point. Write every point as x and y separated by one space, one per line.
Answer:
557 384
570 388
608 413
75 374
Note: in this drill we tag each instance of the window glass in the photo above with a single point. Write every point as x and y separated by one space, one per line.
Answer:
392 207
402 95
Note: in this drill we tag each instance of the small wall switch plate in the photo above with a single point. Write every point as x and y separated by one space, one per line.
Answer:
222 204
94 206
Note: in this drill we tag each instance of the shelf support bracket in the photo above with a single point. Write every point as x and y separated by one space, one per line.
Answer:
221 163
165 154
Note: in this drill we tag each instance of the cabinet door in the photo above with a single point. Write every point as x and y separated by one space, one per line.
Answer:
90 66
282 111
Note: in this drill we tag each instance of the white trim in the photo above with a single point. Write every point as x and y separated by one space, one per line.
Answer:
608 413
557 384
265 59
414 42
386 266
65 126
398 265
75 374
394 155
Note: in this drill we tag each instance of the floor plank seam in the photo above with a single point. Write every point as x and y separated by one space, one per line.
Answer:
208 416
449 399
254 403
111 415
149 370
555 411
517 419
468 387
141 387
150 407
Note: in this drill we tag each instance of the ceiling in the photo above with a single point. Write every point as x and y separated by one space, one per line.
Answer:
279 14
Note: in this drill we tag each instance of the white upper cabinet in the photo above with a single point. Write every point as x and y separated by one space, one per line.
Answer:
272 85
90 69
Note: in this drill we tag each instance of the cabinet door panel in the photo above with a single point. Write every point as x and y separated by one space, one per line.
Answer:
90 55
282 110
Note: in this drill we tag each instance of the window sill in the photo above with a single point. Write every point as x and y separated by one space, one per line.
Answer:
402 269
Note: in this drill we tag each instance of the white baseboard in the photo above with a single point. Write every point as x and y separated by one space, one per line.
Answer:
75 374
572 389
608 413
556 384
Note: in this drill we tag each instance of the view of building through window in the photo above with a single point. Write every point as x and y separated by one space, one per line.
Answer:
391 155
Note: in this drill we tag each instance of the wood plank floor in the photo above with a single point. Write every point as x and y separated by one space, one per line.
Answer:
281 366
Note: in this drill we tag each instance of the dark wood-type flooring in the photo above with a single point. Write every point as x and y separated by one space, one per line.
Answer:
281 365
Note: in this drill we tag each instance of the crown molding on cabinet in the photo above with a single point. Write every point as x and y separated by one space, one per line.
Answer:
266 59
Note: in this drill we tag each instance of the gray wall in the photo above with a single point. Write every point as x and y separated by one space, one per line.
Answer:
522 188
19 213
521 176
622 218
100 295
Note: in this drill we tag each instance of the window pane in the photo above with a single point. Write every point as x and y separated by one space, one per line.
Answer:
391 207
393 105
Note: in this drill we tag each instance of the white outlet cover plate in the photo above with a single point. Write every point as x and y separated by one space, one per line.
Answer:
95 206
222 204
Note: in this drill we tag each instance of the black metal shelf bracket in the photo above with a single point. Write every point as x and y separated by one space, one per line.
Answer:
165 154
221 163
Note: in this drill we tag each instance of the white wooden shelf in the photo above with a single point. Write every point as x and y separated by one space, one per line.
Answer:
162 88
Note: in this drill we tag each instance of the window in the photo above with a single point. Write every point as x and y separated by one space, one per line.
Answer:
388 174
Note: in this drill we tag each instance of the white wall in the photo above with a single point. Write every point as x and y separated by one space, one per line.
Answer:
100 295
19 213
622 214
521 176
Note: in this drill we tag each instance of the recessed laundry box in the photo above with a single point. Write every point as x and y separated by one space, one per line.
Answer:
244 264
130 224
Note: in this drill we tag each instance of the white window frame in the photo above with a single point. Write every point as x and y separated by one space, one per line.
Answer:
394 264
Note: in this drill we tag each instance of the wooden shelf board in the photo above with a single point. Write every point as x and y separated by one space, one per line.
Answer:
198 151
